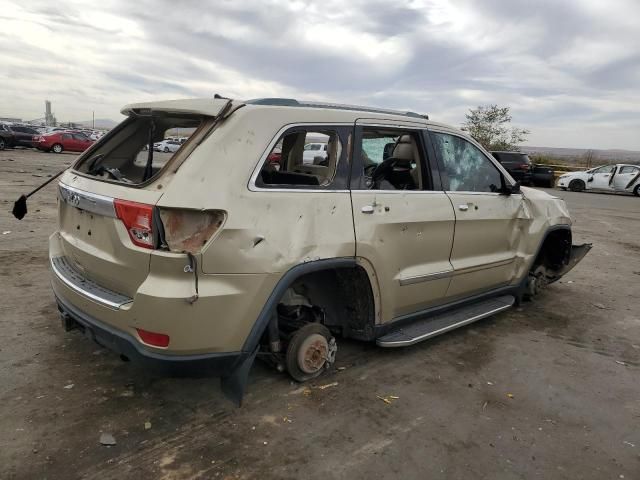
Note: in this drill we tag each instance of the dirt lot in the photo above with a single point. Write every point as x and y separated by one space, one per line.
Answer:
548 391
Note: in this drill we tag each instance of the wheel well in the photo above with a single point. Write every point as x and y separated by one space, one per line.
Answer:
345 298
555 250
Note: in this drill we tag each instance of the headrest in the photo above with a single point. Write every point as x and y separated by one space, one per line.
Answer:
404 149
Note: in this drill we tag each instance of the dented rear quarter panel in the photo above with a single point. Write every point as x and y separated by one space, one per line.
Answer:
267 231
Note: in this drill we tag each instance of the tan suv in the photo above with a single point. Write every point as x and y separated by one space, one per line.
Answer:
236 245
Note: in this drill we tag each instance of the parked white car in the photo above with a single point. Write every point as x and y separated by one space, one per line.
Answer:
608 178
312 151
167 146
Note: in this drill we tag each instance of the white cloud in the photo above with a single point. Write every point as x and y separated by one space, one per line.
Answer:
569 70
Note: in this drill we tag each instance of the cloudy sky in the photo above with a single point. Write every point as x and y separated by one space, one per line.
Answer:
569 70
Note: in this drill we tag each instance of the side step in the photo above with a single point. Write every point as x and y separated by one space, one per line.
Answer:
420 330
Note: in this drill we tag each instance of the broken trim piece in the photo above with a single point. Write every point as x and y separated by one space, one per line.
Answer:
578 252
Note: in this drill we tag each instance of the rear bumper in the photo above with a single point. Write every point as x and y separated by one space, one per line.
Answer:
215 364
217 321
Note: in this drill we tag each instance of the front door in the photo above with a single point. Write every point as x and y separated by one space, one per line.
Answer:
601 179
403 220
489 225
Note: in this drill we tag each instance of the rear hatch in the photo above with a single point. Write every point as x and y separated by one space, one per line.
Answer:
109 224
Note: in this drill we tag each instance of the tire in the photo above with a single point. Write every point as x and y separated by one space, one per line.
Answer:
536 282
166 149
311 351
57 148
577 186
3 144
636 191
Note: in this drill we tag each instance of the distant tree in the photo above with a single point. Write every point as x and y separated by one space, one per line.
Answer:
490 126
589 157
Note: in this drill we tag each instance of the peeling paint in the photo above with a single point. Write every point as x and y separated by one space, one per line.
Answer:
189 230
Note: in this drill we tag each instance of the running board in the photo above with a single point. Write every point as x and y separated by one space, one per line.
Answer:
420 330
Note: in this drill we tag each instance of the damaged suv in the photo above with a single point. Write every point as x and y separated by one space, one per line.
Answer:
222 251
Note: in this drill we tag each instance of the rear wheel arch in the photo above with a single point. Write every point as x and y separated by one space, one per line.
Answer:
317 281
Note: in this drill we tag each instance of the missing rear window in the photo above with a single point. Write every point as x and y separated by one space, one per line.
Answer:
140 148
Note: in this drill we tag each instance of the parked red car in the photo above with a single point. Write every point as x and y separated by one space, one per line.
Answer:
57 142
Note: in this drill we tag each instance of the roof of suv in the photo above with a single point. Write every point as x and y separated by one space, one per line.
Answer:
212 106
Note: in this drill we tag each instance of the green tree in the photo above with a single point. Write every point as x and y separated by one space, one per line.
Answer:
491 126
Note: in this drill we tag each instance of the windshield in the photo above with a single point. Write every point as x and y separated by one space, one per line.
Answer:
134 153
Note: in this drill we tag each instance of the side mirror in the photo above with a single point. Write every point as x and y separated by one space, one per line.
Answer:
590 179
506 189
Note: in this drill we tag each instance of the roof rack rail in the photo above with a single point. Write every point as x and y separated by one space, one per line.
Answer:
292 102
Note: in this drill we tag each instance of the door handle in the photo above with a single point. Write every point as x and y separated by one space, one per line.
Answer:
367 209
464 207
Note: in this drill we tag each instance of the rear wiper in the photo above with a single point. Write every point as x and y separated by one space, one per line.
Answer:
148 170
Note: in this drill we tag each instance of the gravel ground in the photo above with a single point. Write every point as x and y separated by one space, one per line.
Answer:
549 390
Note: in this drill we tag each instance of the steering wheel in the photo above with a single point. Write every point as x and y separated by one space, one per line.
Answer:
381 170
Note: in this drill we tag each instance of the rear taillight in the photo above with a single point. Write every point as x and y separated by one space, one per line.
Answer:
153 338
189 230
138 219
525 166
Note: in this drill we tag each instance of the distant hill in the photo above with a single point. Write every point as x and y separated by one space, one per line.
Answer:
102 123
575 155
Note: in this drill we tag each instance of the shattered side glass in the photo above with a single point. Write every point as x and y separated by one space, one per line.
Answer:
466 167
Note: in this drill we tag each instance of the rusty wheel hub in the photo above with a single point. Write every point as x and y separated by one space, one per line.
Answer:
313 353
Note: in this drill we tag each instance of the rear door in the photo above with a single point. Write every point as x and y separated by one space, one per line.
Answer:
626 177
68 143
403 220
488 226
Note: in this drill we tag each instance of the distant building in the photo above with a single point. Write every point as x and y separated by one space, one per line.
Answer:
10 120
49 118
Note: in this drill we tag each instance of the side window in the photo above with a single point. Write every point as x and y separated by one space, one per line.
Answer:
628 169
66 136
605 169
391 159
302 158
467 169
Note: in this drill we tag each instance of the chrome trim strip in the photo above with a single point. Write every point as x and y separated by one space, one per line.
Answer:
489 194
91 202
83 292
396 192
484 266
414 340
426 278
